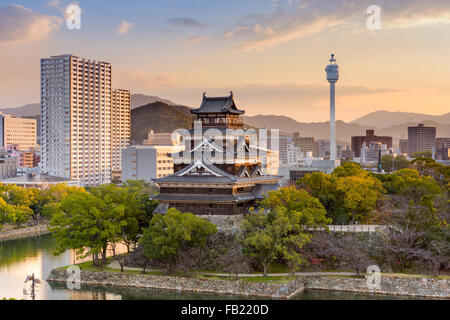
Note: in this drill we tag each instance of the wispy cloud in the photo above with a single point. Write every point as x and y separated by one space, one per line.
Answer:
19 24
294 19
185 22
140 80
193 40
54 3
124 27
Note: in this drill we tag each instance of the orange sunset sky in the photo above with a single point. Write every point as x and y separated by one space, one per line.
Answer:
272 54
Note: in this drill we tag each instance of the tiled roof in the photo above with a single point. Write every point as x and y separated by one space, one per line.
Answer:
218 105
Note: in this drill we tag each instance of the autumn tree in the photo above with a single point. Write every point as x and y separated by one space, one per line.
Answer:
50 198
16 204
350 194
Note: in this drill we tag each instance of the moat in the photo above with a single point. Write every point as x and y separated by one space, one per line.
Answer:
20 258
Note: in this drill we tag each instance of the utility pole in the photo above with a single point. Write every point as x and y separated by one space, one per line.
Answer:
34 282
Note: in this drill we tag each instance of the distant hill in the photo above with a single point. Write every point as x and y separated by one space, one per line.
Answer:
159 117
139 100
385 119
401 131
163 115
344 131
33 109
318 130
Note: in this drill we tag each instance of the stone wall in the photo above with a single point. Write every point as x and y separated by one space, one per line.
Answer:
226 223
407 286
391 285
24 233
220 287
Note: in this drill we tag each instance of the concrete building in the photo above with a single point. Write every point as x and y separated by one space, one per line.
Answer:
77 113
283 145
358 141
306 144
403 146
120 127
371 152
27 159
347 154
162 139
421 139
17 131
443 149
324 150
291 174
8 165
147 162
40 182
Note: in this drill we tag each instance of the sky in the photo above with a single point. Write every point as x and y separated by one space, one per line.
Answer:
270 53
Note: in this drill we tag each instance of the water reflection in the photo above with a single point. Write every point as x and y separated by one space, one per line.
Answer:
20 258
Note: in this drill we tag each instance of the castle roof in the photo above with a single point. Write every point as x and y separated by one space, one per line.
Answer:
218 105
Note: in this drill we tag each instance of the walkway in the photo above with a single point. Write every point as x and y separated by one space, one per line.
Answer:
115 265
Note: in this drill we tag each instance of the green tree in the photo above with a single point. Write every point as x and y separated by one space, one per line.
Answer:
422 154
389 162
142 191
349 195
88 221
280 229
15 204
50 198
170 234
409 183
349 169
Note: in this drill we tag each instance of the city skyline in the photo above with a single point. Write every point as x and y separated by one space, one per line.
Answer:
270 53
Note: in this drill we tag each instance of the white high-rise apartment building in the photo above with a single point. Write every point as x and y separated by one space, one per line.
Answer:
76 119
120 126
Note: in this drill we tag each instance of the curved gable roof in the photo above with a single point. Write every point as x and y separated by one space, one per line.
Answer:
218 105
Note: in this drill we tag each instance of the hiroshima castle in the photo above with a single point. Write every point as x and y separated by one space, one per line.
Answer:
219 172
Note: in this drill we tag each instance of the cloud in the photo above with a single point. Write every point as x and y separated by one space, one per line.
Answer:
185 22
124 27
193 40
19 24
54 3
140 80
295 19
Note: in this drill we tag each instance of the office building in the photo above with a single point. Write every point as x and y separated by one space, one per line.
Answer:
306 144
403 146
145 162
358 141
17 131
442 149
8 165
421 139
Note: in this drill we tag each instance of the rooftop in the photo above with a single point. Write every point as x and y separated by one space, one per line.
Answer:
36 179
218 105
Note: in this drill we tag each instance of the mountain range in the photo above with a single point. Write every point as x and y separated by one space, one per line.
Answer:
162 115
385 119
